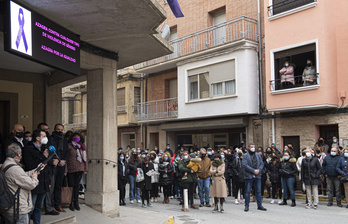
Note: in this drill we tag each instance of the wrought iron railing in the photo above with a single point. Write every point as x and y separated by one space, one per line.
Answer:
167 108
237 29
299 81
287 5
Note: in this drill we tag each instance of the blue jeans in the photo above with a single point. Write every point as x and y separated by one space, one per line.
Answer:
288 182
177 190
38 200
131 188
203 189
257 185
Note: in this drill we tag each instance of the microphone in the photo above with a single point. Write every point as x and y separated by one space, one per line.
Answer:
52 149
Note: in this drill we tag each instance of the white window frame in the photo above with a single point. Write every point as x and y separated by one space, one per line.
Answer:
289 12
198 86
296 89
133 106
223 89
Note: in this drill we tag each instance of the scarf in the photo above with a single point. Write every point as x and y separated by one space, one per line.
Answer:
78 147
60 139
217 163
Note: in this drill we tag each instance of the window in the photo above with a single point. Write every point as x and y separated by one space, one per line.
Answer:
136 99
285 6
121 100
220 77
298 73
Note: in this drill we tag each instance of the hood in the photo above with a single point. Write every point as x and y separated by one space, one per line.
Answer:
197 159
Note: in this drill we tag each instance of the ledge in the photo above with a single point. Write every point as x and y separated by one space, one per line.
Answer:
210 99
292 11
293 90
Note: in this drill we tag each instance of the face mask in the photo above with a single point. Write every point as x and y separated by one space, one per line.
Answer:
168 147
127 157
321 141
318 151
309 64
286 157
252 150
308 154
143 156
19 134
177 159
155 148
59 133
203 155
274 157
146 151
76 139
346 154
28 139
186 157
333 153
138 151
209 153
121 158
44 141
269 152
240 154
335 140
181 150
165 158
222 156
286 64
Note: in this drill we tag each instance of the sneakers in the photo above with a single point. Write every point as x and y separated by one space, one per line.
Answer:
155 199
171 197
315 206
280 201
149 204
236 202
243 201
308 206
272 202
139 201
152 199
144 206
207 204
222 208
215 209
201 205
132 202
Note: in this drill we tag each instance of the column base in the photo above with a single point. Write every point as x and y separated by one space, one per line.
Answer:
106 203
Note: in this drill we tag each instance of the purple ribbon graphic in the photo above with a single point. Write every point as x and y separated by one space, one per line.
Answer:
21 30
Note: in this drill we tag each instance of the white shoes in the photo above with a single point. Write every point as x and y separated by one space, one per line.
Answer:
171 197
152 199
280 201
132 202
139 201
236 202
155 199
272 202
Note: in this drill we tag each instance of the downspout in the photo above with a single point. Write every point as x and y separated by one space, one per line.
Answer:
273 128
260 57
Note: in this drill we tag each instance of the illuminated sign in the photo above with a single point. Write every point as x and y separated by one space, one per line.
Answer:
33 36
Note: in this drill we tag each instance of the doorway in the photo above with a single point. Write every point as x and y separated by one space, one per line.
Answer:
154 140
4 118
295 141
328 131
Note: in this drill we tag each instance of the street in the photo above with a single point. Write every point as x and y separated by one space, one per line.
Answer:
235 213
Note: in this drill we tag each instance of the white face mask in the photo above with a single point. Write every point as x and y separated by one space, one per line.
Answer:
44 141
28 139
308 154
252 149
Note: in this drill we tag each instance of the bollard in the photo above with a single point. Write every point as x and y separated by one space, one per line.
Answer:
186 200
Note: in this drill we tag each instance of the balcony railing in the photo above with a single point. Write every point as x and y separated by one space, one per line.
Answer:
167 108
287 5
237 29
122 109
279 84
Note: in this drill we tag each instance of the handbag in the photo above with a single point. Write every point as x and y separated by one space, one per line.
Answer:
66 193
344 179
140 175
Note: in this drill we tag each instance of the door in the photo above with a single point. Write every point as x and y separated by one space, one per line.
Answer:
219 33
328 131
4 118
154 140
295 141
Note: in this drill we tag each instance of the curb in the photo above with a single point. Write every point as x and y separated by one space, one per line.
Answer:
171 220
321 198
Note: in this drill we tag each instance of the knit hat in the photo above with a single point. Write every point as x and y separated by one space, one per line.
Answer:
192 155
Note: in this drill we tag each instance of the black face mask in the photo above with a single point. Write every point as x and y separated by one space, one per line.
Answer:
318 151
269 152
19 134
309 64
59 133
240 154
203 155
274 157
152 157
321 141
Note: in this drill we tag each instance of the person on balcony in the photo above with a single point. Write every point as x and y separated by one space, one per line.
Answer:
309 74
287 75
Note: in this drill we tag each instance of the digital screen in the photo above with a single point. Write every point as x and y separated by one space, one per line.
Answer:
33 36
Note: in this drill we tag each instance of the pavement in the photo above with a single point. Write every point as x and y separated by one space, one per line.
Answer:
171 213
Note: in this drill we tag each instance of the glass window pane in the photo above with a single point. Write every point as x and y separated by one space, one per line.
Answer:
204 86
217 89
230 87
193 87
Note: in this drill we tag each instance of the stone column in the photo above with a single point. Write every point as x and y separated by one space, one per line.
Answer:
102 193
53 106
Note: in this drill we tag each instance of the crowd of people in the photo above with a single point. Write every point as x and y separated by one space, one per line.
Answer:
210 175
37 174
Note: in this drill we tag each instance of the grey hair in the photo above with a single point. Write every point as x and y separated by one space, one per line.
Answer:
250 144
334 145
13 150
203 150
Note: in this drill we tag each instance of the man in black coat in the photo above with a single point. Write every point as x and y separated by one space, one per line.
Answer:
16 136
34 153
61 144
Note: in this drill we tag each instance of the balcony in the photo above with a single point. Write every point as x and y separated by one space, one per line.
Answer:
240 28
287 7
278 87
159 109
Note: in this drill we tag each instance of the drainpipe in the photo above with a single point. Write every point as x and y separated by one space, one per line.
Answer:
273 128
260 57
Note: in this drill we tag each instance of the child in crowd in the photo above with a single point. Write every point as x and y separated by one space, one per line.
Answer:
193 165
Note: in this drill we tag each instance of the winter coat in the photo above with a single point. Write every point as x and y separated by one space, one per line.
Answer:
288 168
166 172
73 164
16 177
238 169
204 172
228 167
146 183
218 188
177 174
133 168
287 74
329 165
311 171
342 166
194 164
248 166
32 157
274 172
191 177
61 150
8 141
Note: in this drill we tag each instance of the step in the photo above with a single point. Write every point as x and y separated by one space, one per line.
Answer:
64 220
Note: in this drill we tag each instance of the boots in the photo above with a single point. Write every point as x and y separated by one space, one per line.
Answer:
71 207
167 201
164 200
194 206
77 207
284 202
215 208
183 208
293 204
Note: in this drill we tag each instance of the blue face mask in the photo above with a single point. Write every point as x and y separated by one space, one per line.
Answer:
286 157
333 153
209 153
222 156
143 155
346 154
121 158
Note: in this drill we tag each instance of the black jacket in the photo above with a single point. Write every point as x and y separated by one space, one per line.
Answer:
228 163
165 169
62 152
288 168
32 157
274 172
8 141
238 169
133 168
329 165
310 171
145 184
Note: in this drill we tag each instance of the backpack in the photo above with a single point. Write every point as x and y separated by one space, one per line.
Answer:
7 199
